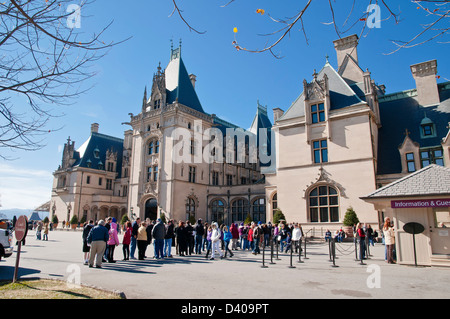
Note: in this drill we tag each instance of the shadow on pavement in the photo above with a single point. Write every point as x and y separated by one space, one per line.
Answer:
7 272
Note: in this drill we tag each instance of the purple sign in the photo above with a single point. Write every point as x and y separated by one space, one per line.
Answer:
420 203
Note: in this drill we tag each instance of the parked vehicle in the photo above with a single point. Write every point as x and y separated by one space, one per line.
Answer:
6 237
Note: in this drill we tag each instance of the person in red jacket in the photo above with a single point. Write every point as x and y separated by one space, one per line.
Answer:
126 241
250 236
234 236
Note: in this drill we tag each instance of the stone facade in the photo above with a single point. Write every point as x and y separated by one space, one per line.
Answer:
342 138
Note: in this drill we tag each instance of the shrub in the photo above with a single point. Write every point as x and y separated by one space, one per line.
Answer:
74 220
278 216
124 219
350 217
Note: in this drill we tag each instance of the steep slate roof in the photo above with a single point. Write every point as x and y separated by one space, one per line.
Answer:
401 111
341 94
431 180
261 120
102 143
178 84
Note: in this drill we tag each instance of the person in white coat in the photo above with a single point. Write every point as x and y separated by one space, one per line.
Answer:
215 241
296 236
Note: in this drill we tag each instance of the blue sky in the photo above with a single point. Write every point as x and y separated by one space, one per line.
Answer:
229 82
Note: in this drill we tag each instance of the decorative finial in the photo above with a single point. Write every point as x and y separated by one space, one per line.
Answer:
407 132
326 57
315 74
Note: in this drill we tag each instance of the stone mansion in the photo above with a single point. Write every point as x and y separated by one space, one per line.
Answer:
341 139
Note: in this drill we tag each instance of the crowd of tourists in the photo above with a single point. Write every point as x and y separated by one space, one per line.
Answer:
182 238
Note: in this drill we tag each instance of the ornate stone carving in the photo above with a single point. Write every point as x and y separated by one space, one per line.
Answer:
324 178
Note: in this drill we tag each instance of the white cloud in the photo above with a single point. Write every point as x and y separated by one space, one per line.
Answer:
24 188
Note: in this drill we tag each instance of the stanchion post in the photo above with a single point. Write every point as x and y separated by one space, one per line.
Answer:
299 244
333 253
329 248
271 251
291 266
305 248
263 255
277 250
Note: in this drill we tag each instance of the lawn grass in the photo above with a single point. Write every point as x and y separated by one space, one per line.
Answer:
51 289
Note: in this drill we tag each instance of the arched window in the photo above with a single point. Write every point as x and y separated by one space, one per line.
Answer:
217 211
239 210
323 204
190 209
259 210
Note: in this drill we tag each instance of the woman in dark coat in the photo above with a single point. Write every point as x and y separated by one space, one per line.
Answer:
181 239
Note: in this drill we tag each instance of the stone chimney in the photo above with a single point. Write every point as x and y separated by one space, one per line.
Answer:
277 113
425 76
346 46
94 128
193 79
346 50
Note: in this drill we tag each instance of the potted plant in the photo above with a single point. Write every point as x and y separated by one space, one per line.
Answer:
74 221
350 219
55 221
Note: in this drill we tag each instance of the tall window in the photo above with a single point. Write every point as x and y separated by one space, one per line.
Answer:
239 210
190 209
259 210
192 174
324 205
317 113
150 147
155 173
432 156
149 173
274 203
109 184
110 166
229 179
217 211
192 149
411 165
215 178
156 147
320 151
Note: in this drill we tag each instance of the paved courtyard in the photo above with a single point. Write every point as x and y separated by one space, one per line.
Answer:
241 276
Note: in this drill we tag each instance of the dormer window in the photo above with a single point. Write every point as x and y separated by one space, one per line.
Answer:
96 153
317 113
427 128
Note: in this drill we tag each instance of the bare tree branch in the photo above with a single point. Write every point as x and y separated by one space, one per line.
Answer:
45 61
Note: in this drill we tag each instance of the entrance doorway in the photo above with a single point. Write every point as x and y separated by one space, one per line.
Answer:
151 209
